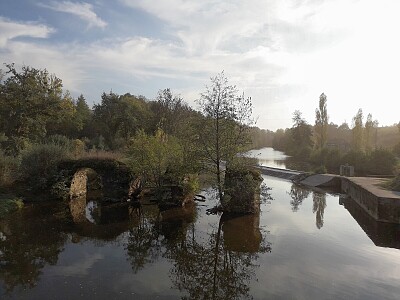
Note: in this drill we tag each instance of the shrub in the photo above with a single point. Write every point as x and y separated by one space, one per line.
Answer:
241 186
39 163
320 170
381 162
328 158
8 169
191 184
358 159
9 204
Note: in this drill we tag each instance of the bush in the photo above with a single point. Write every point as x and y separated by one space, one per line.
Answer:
381 162
9 204
328 158
320 170
240 189
358 159
8 169
39 163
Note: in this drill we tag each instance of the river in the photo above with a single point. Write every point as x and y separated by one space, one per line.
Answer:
303 245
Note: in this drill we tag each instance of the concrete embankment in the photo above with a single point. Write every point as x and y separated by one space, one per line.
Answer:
381 204
280 173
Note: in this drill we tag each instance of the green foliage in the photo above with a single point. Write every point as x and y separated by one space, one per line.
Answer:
242 184
30 100
120 117
77 148
330 159
381 162
39 163
358 159
396 150
9 204
301 134
320 170
191 184
8 169
152 156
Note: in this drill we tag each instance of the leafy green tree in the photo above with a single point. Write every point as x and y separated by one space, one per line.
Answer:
29 101
153 155
170 111
120 117
321 123
223 132
301 136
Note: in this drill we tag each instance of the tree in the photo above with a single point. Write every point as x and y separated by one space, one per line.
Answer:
223 132
170 111
301 135
357 131
29 101
119 117
152 156
321 122
371 127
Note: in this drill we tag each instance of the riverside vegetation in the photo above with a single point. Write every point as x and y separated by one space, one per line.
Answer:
164 140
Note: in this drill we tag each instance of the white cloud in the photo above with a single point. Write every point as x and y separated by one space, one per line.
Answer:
12 29
82 10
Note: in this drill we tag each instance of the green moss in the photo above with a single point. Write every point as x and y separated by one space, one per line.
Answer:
9 204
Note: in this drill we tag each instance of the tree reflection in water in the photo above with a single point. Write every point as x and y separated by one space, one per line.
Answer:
210 269
298 194
216 265
143 245
29 240
319 205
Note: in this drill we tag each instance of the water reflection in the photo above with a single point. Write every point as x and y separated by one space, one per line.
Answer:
218 265
143 245
319 205
218 268
298 194
27 247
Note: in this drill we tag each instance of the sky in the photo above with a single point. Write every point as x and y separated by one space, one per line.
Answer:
281 53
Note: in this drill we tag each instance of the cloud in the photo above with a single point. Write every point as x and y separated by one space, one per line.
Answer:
12 29
82 10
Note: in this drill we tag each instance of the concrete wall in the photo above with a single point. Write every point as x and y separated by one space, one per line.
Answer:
381 209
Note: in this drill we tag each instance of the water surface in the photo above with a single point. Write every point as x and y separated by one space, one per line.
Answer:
303 245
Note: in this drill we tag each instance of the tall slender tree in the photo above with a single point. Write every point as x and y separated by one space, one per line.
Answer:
357 131
371 127
321 123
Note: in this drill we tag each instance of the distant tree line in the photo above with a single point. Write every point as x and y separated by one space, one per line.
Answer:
325 146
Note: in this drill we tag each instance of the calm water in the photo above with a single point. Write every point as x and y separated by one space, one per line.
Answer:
303 245
269 157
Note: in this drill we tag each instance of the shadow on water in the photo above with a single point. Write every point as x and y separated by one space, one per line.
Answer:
381 234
